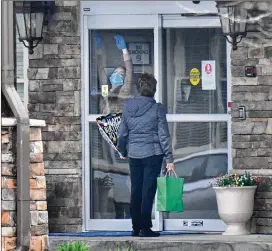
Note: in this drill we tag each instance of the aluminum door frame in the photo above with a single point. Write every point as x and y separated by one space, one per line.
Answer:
94 22
177 21
155 22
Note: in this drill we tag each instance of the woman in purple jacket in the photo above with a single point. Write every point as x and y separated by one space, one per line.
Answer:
144 139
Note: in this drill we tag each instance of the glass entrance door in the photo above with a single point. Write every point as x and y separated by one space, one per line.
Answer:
196 96
107 181
189 58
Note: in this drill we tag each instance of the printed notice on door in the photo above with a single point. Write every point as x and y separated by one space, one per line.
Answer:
208 75
140 53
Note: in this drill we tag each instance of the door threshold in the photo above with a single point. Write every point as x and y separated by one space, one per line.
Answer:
120 233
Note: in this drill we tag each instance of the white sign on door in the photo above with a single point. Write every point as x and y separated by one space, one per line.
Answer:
208 75
139 52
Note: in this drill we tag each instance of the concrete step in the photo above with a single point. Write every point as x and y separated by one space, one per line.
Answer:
188 242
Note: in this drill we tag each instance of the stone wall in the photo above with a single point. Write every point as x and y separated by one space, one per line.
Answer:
54 95
252 138
38 206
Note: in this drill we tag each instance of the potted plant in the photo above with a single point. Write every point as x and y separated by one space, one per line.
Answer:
235 201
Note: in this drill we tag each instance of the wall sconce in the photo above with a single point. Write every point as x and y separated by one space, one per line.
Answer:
233 22
31 16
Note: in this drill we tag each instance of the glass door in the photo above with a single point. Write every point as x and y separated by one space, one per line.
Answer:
196 95
107 182
189 57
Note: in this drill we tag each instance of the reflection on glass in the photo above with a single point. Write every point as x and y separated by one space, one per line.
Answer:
110 182
198 159
185 49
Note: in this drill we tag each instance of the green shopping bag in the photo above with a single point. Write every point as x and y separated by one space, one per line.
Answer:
169 193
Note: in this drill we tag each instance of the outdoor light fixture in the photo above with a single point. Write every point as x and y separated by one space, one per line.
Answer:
233 22
31 16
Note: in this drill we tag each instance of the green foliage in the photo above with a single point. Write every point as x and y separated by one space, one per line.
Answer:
236 180
73 246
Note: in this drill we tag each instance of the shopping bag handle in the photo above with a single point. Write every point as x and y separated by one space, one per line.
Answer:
168 172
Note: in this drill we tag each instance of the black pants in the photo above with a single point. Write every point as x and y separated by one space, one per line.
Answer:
143 174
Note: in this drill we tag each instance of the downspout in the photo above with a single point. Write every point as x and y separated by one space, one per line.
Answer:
22 117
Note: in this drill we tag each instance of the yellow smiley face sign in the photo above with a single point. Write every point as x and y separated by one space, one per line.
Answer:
194 76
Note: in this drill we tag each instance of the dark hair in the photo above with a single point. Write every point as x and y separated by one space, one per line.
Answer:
147 85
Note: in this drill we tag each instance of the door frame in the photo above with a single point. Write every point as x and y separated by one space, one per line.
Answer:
156 22
97 22
183 22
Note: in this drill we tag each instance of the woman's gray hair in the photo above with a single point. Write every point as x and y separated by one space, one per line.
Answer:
147 85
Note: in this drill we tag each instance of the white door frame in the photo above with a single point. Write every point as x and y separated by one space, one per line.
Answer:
177 21
112 22
107 8
91 20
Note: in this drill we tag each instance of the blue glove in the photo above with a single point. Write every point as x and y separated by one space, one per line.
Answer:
120 42
98 40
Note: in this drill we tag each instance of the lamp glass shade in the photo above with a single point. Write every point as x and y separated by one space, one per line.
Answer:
233 20
30 19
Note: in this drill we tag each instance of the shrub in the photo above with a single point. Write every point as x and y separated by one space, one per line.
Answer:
73 246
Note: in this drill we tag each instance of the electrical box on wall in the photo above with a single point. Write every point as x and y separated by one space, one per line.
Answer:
250 71
242 112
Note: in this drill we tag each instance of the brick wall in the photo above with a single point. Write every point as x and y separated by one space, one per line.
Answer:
252 138
54 95
38 205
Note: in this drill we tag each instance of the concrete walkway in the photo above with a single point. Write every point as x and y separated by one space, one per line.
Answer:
203 242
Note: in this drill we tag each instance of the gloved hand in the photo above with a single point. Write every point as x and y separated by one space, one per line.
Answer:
120 42
98 40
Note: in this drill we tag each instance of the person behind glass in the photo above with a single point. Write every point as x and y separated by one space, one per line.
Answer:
119 82
120 87
143 138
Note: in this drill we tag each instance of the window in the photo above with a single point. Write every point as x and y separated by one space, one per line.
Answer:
109 175
21 70
185 50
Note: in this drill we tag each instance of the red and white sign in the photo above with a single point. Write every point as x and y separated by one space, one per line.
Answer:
208 68
229 106
208 75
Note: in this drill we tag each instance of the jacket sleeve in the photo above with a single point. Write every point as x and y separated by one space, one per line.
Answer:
164 135
122 137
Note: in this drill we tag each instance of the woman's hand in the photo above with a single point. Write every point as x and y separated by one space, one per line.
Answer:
121 157
170 166
120 42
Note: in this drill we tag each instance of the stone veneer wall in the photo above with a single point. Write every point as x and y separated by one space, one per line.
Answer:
54 96
252 138
38 206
